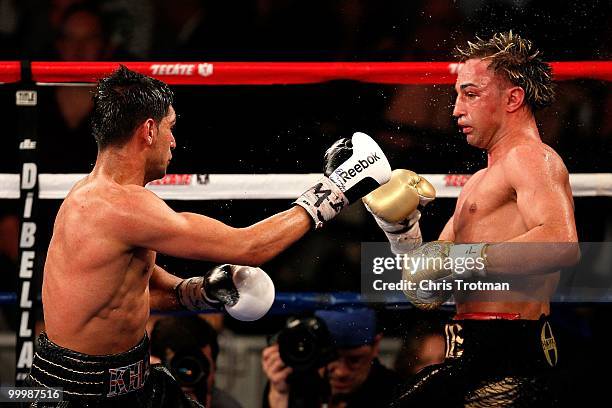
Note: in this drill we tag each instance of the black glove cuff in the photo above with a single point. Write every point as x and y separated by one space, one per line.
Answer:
219 286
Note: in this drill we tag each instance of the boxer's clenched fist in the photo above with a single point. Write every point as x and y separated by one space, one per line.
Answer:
353 168
441 261
247 293
394 207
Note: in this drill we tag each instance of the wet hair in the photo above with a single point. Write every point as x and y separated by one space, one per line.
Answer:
123 101
517 60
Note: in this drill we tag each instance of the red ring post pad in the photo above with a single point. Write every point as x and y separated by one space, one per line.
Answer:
281 73
10 71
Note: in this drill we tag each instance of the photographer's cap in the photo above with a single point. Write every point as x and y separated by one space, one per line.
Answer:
350 327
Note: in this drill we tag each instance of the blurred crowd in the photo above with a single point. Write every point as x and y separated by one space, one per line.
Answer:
296 30
277 122
327 358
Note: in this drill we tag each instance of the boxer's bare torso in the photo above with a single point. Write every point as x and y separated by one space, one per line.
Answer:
522 196
100 278
95 287
487 211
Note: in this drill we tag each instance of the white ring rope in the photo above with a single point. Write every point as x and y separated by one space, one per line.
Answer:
268 186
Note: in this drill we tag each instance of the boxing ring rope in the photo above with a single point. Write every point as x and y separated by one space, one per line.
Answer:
257 186
250 186
29 186
292 302
277 73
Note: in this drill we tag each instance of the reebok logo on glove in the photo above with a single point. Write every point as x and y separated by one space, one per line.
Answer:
345 179
361 165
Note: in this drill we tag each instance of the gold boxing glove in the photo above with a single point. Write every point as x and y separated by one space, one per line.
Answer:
394 207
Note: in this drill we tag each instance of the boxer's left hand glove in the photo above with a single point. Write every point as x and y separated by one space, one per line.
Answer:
247 293
394 207
353 168
439 261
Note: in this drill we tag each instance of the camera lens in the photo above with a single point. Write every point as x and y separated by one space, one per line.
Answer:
300 345
305 344
189 369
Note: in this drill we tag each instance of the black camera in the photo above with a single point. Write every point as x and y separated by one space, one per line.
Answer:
179 343
190 367
305 344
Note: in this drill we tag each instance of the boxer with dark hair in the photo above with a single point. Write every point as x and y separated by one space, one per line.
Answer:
514 220
100 278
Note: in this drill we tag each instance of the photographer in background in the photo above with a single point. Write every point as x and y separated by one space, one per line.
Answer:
329 359
188 347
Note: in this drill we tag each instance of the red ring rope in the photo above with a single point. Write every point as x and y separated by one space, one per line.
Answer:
269 73
10 71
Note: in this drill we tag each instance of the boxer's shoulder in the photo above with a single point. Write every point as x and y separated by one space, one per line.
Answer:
533 161
124 197
472 181
476 177
100 204
533 154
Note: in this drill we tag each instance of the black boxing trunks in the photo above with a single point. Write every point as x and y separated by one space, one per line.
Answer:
492 360
114 380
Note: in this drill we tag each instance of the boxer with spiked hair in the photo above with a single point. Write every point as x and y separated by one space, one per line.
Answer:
514 221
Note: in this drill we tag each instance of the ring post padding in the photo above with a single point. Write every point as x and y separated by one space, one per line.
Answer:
26 100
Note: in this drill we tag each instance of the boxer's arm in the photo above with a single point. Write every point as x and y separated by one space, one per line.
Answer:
142 219
162 295
544 201
246 293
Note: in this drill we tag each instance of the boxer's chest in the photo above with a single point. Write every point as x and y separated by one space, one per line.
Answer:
487 209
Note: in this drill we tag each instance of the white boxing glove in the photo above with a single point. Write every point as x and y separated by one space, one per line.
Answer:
353 168
247 293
